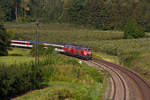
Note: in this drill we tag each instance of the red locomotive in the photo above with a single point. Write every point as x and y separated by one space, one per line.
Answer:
78 51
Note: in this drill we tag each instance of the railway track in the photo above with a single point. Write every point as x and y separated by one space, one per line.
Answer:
118 80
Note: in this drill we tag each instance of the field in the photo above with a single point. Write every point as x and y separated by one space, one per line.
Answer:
64 77
17 56
62 33
103 42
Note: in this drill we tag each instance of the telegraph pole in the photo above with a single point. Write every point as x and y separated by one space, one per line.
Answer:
37 44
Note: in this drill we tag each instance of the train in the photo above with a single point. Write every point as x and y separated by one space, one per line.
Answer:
71 50
78 51
29 44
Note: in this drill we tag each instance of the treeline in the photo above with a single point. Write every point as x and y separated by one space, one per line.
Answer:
102 14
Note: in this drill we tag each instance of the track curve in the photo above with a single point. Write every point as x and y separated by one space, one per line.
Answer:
142 84
117 81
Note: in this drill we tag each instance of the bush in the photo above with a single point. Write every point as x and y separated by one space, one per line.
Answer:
42 51
4 41
129 57
133 30
18 79
107 27
94 73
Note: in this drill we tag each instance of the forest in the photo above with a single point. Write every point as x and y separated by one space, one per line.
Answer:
100 14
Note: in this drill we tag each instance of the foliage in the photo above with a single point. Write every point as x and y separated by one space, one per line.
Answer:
65 76
1 15
88 12
66 84
4 41
42 51
109 42
94 74
105 42
17 56
133 30
142 65
100 14
62 33
20 78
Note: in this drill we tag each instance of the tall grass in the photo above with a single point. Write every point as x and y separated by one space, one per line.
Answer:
16 56
64 78
119 47
62 33
110 42
20 78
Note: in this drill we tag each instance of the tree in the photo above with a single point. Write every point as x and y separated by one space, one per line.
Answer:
133 30
16 5
1 14
4 41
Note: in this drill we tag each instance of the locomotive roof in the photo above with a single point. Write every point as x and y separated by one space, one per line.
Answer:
77 46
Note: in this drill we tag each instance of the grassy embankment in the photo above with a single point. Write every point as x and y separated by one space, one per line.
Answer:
17 56
67 80
107 44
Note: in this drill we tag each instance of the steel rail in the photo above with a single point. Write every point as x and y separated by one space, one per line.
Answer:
114 82
143 86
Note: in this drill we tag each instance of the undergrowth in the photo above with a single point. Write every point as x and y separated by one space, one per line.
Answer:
105 42
69 80
57 77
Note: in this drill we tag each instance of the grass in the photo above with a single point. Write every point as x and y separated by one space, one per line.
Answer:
15 59
106 57
104 42
62 33
70 91
142 65
120 47
16 55
69 79
19 52
108 44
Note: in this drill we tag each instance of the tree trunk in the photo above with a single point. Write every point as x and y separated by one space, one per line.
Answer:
16 13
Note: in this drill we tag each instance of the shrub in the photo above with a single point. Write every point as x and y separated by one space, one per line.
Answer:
4 41
133 30
20 78
42 51
107 27
94 73
147 27
128 58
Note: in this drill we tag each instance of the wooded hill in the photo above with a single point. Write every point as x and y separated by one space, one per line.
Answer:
101 14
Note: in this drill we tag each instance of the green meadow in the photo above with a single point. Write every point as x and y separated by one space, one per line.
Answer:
16 55
59 77
69 79
102 42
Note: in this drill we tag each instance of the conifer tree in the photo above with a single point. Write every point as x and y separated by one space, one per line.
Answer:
4 41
